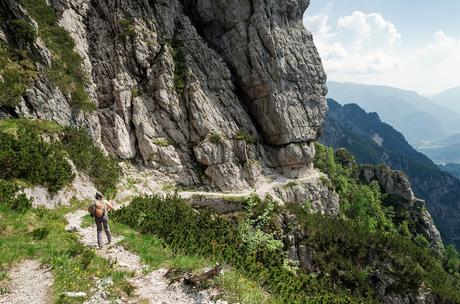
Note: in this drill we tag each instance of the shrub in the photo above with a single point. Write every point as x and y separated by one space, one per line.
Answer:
245 246
40 233
245 136
28 157
103 170
23 30
9 197
162 142
359 202
128 29
180 69
216 138
135 92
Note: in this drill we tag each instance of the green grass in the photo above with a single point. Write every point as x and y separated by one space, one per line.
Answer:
128 29
155 253
74 266
12 125
239 289
169 187
23 30
9 126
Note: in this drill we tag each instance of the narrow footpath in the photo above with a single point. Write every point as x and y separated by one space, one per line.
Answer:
152 287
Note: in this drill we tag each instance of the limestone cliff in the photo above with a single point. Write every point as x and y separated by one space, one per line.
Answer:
231 89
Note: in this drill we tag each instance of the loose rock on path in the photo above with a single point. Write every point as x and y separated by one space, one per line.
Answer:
30 284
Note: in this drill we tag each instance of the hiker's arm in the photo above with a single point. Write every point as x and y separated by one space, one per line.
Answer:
110 205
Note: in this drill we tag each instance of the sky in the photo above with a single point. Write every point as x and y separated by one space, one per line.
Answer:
409 44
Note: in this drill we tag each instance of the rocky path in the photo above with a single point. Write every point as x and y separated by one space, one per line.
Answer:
153 286
22 275
261 189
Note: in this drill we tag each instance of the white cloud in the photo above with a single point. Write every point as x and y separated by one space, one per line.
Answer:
436 65
358 44
442 49
357 22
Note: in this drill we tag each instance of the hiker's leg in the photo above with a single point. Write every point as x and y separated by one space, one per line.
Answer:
99 232
107 230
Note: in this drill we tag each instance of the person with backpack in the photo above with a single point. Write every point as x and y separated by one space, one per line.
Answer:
100 211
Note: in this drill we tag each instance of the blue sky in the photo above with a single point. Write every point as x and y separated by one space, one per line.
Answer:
404 43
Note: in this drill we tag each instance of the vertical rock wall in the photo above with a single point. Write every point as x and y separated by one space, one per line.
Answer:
213 92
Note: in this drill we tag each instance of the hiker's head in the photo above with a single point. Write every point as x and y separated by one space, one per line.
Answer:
98 196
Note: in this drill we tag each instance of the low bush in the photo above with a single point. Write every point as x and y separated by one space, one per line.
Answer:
28 157
248 248
40 233
245 136
215 138
25 155
23 30
103 170
180 69
359 202
356 258
13 200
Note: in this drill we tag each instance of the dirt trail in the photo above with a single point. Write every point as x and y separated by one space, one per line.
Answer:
152 286
29 284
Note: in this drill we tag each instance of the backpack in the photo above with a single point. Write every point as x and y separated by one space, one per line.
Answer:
92 209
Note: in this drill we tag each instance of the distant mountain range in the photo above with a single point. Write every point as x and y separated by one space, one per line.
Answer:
449 99
372 141
443 151
420 119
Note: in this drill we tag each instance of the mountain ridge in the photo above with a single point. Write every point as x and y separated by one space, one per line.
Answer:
449 98
418 118
352 128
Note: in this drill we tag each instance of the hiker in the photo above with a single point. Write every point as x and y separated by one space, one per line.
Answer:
101 217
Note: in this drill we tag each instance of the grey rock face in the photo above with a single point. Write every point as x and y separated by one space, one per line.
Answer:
168 75
277 68
314 192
